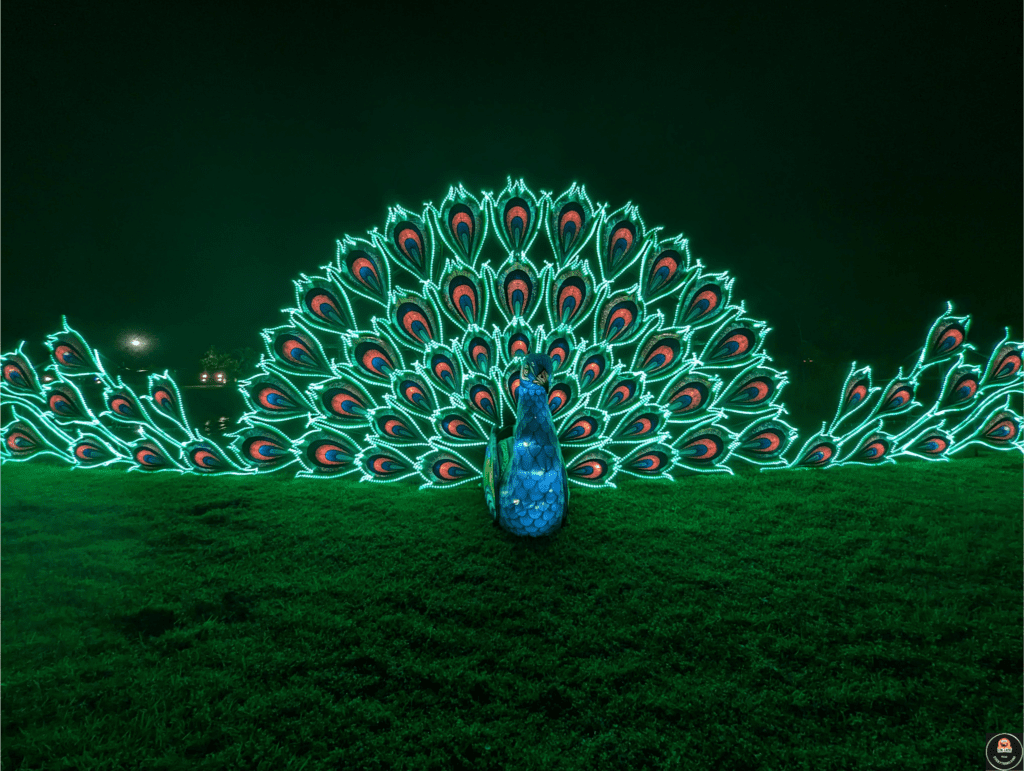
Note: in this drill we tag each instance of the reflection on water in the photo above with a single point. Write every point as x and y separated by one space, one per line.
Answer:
216 426
213 410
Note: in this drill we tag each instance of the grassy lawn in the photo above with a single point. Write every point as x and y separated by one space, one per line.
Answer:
857 618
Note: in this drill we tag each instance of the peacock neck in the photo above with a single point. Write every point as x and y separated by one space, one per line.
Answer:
533 410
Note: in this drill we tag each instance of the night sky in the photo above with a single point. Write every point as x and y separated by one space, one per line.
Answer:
172 172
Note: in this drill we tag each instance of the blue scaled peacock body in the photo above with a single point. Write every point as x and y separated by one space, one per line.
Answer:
525 484
401 358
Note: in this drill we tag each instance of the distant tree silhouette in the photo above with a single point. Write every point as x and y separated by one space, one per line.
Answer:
233 364
247 359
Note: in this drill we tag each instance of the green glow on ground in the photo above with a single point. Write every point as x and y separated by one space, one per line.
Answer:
861 618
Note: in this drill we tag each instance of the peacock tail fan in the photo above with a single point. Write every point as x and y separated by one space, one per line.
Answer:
401 358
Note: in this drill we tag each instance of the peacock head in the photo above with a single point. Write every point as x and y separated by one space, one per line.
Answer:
536 369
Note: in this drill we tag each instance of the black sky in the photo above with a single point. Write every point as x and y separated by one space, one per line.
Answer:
172 171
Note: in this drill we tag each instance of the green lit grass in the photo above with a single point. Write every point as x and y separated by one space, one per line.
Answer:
854 618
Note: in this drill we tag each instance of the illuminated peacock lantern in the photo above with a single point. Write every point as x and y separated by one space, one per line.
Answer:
402 357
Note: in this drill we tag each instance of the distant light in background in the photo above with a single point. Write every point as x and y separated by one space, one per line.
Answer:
137 342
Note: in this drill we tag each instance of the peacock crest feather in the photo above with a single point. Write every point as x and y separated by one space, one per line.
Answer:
399 359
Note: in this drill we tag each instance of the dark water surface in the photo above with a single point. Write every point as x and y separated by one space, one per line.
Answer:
213 410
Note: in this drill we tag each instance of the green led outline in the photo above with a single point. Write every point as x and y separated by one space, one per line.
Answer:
734 425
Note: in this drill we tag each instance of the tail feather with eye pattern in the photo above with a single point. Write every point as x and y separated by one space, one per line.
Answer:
401 357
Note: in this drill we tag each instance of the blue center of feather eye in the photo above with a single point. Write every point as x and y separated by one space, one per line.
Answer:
368 277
